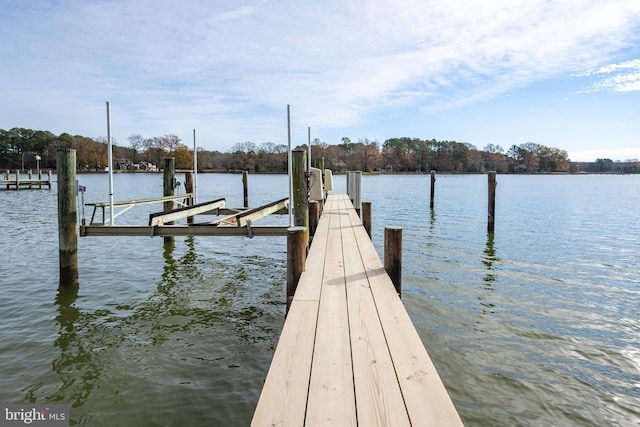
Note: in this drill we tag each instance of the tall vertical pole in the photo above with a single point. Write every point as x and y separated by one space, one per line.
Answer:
300 190
195 169
67 216
290 166
433 188
110 161
188 188
245 188
168 175
491 219
309 147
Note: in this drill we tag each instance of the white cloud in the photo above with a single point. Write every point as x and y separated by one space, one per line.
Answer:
336 62
620 77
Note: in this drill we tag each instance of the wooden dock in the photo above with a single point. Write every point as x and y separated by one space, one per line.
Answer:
16 182
349 354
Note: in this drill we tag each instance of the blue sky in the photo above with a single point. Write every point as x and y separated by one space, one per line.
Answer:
563 74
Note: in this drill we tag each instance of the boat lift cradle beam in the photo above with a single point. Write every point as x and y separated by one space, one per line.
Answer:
163 217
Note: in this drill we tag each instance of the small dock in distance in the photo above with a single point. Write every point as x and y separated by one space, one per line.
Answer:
16 183
348 354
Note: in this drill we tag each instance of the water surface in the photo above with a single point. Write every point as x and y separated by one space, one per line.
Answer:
536 324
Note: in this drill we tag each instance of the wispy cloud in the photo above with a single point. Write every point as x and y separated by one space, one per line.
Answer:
620 77
235 66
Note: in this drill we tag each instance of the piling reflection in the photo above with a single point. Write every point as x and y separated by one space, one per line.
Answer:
432 219
76 364
489 259
206 313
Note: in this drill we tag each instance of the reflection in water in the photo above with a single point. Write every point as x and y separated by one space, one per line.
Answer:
488 259
432 220
76 354
203 316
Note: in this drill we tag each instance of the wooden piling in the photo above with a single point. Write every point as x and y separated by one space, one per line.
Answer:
168 176
366 217
433 189
245 188
314 216
67 216
296 258
188 188
39 178
491 220
393 255
300 190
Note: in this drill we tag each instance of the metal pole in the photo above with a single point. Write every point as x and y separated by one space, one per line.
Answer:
309 144
195 169
290 167
110 161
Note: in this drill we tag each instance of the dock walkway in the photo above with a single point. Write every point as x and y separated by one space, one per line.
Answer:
349 354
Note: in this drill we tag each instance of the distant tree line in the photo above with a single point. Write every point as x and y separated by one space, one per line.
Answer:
26 148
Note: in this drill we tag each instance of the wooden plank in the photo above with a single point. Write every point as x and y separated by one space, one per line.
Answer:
311 280
425 396
331 398
256 213
378 397
179 230
284 395
160 218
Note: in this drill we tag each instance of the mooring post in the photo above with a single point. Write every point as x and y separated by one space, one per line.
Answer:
67 216
491 219
188 188
300 190
17 179
30 177
433 188
366 217
296 258
393 255
245 188
39 178
168 176
314 217
50 179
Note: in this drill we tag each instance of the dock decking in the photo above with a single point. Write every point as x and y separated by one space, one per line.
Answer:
349 354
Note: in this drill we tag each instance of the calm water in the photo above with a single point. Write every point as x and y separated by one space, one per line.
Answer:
535 325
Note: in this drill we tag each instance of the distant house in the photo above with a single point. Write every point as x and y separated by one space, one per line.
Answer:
147 167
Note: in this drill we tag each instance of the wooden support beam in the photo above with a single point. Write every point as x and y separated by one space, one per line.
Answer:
161 218
179 230
256 213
